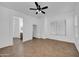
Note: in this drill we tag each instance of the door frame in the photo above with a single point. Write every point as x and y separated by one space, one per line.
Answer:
34 32
20 27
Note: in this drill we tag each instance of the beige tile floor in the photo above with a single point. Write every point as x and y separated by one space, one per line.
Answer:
40 48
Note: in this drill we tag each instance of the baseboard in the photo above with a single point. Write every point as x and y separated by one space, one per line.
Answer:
64 40
77 46
56 40
9 44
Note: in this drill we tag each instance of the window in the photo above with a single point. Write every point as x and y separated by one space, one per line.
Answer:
58 27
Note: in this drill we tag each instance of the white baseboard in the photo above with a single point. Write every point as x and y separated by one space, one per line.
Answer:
5 45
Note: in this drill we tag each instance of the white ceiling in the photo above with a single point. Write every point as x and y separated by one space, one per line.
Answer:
54 8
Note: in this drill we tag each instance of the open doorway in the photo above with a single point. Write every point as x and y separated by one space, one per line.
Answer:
34 36
18 27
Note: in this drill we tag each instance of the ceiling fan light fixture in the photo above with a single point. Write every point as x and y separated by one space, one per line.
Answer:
38 11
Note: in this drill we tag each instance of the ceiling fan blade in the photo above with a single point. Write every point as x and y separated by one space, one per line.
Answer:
39 7
43 12
33 9
36 4
45 7
36 12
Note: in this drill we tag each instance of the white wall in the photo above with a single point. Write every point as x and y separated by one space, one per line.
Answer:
28 27
46 26
76 25
6 26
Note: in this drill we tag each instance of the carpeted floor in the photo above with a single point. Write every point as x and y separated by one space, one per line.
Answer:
40 48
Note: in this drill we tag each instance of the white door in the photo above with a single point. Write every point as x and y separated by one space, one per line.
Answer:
34 30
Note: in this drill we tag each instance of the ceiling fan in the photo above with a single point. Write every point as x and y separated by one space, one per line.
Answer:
38 8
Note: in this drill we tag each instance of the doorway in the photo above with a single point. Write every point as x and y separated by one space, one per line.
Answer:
34 36
18 27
